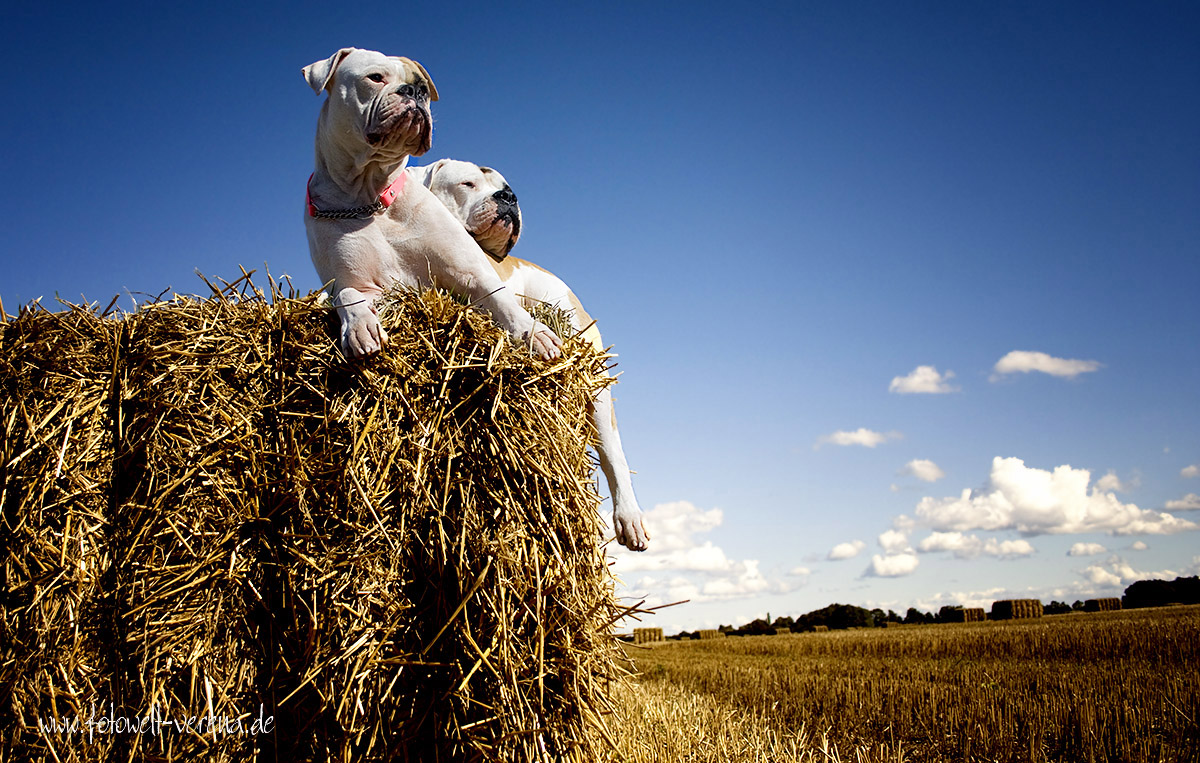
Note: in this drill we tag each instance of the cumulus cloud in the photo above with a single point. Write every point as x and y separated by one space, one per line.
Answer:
847 550
861 436
1086 549
1023 362
894 542
695 569
800 572
893 565
1118 573
923 380
1190 502
1035 502
1188 472
966 546
1138 545
924 470
744 580
674 527
1110 483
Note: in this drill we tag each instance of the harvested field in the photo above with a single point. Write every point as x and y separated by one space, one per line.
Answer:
1114 686
207 512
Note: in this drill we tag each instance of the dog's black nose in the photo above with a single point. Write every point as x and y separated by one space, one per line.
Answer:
416 92
505 194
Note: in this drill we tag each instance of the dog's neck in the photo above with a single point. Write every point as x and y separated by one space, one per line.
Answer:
351 176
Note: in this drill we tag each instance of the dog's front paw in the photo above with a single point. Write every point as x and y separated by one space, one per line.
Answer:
362 334
631 530
543 341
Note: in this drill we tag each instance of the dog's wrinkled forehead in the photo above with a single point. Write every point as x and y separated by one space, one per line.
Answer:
453 172
351 66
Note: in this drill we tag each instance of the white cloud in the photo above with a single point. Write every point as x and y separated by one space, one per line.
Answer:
894 542
1086 549
1190 502
1188 472
1021 361
970 546
923 380
864 437
744 580
1008 549
847 550
697 570
893 566
1138 545
1118 573
1102 577
1110 483
1035 501
673 526
924 470
800 572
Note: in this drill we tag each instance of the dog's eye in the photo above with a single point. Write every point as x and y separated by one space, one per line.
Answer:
469 184
375 77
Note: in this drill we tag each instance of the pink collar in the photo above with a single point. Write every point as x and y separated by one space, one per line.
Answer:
386 197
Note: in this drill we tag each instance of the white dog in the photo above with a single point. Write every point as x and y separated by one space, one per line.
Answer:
369 230
487 208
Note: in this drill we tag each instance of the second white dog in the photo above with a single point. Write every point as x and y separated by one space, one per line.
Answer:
483 202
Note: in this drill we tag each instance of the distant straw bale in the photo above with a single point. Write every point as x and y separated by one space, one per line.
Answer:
821 628
1102 605
1016 609
647 635
707 633
965 615
206 510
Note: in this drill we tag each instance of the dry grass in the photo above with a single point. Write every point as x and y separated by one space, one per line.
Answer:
662 722
206 509
1119 686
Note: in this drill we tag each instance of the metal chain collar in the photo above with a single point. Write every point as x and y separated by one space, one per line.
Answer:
361 213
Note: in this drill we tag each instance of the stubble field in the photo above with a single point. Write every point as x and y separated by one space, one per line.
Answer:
1117 686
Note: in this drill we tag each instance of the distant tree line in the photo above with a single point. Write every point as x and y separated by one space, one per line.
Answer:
1143 593
1159 593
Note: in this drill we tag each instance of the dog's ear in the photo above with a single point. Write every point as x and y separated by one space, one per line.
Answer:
320 73
428 171
433 94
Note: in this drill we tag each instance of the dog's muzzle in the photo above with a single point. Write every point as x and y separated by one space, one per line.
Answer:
400 120
508 211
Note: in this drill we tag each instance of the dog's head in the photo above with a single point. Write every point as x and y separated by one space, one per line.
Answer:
379 102
481 200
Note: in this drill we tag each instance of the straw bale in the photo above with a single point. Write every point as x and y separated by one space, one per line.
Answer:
55 465
1015 609
1102 605
955 615
707 633
974 614
647 635
820 628
207 511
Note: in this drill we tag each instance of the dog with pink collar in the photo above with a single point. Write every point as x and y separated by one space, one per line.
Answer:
368 229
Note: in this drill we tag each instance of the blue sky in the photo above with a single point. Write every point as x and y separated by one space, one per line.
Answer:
777 213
